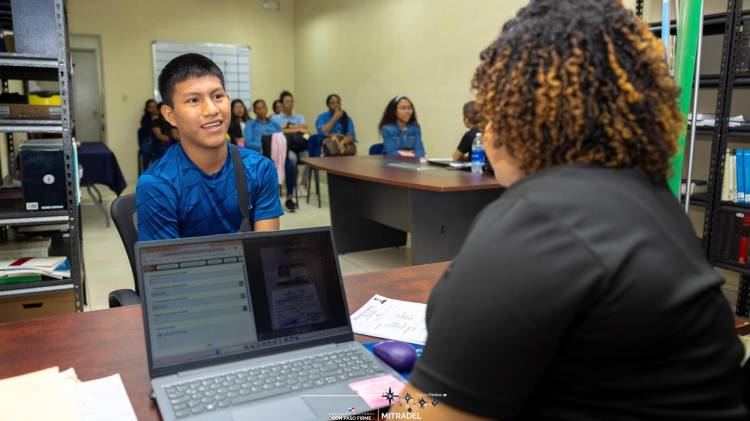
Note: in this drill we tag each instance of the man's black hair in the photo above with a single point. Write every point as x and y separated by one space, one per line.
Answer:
184 67
284 94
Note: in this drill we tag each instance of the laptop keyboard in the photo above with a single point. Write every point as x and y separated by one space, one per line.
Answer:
235 388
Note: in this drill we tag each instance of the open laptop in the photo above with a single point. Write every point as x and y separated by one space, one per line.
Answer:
449 163
252 326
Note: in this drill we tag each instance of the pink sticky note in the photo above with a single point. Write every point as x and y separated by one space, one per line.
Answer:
372 390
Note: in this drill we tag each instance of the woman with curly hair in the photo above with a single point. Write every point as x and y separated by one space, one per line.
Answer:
582 293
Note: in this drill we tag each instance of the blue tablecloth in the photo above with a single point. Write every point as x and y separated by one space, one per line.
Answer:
100 167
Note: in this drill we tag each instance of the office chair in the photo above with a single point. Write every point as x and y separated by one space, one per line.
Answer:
377 149
123 211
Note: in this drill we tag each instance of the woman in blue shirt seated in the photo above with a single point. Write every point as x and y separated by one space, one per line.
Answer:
336 129
254 132
400 130
262 125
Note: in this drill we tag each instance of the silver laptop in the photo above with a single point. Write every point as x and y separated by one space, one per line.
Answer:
252 326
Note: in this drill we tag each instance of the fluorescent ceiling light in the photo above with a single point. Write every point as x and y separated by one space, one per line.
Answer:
273 5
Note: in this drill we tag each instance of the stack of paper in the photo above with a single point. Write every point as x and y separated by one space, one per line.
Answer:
53 395
387 318
31 247
55 267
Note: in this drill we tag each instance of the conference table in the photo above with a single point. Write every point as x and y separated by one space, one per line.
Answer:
376 200
104 342
101 343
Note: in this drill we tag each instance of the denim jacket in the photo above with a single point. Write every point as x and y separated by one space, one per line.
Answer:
395 139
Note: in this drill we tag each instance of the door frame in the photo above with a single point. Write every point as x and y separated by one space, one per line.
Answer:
92 43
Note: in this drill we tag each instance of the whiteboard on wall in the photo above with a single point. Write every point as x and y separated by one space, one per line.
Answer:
233 60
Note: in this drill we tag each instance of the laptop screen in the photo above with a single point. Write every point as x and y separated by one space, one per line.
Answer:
238 294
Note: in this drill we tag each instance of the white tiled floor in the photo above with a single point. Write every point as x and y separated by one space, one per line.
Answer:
107 267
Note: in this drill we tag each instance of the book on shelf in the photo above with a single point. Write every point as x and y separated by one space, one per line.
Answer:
735 184
54 267
17 279
696 187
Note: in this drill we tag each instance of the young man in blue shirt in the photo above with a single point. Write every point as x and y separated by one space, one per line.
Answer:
192 190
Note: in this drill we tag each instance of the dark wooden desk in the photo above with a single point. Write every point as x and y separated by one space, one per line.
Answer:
376 200
101 343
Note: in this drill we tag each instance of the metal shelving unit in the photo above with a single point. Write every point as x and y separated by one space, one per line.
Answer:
16 66
730 25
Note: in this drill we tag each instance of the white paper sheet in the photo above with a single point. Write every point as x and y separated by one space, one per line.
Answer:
387 318
105 399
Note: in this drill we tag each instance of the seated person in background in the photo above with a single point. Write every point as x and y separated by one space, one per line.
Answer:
238 123
583 293
296 130
276 107
145 135
192 191
336 129
160 129
262 125
400 130
254 132
472 121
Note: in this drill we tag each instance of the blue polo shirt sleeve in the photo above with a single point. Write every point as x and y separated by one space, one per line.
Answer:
156 206
276 118
298 119
390 139
250 139
322 120
267 202
418 146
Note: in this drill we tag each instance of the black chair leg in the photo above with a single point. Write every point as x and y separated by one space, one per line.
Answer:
309 187
317 185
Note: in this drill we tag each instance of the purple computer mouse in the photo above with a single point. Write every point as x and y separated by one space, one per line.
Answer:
399 355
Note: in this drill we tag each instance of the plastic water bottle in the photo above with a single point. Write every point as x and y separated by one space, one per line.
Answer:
477 154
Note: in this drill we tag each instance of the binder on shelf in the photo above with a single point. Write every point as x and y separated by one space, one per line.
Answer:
726 190
732 177
746 173
740 176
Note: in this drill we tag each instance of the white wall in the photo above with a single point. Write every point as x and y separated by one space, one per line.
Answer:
369 51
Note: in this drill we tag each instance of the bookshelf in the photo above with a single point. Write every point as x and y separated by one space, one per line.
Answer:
727 82
49 15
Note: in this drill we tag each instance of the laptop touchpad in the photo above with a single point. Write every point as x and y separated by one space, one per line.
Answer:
283 409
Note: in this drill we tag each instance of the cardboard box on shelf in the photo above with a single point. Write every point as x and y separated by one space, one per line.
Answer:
29 112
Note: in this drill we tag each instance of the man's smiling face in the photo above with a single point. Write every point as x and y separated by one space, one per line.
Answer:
201 111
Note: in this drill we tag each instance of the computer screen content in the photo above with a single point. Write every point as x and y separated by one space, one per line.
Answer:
212 299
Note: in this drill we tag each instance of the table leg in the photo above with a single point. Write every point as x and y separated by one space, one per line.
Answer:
360 211
98 201
441 222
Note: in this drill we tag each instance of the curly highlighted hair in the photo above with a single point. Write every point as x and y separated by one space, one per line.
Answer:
580 81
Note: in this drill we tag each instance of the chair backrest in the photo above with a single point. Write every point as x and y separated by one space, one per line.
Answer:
376 149
123 211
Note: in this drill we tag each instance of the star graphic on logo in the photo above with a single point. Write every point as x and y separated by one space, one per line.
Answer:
422 402
390 396
407 398
434 402
409 410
